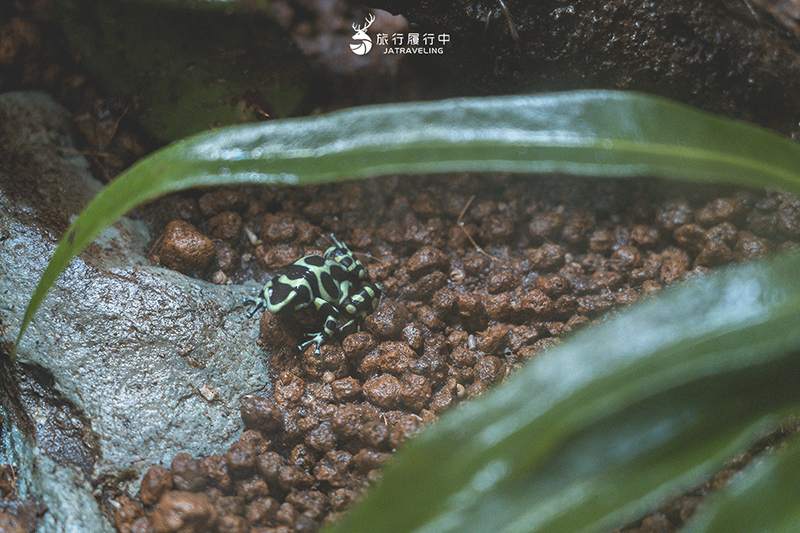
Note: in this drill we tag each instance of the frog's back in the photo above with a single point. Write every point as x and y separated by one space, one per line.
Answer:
309 278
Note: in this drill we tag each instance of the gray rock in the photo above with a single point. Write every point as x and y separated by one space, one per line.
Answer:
124 364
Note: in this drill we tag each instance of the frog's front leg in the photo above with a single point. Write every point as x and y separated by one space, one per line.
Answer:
362 303
329 327
260 301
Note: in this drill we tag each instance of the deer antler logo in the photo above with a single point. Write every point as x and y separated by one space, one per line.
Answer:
364 41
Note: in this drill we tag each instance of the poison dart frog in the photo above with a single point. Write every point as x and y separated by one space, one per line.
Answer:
329 283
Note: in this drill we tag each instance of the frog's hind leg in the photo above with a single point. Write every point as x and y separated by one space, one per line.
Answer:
362 303
329 327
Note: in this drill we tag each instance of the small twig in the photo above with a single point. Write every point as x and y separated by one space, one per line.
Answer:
116 124
152 249
377 259
464 210
749 6
83 152
461 225
752 11
14 478
511 28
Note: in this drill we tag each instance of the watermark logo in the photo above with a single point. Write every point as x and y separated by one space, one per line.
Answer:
363 42
413 43
398 43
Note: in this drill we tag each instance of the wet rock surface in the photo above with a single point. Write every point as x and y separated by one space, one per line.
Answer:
125 364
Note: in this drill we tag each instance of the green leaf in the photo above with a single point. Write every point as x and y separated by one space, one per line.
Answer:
608 424
591 133
764 497
188 66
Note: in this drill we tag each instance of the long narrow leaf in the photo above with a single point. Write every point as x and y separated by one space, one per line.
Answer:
763 498
594 133
597 430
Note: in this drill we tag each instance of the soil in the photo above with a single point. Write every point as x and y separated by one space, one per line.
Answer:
480 273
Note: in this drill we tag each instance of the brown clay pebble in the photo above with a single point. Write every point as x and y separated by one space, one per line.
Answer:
187 473
226 226
241 459
155 482
424 288
673 213
656 522
277 335
293 477
415 393
277 229
339 499
183 512
260 414
311 504
281 256
388 321
645 236
405 429
720 210
425 260
346 423
126 514
321 439
346 389
9 524
289 389
262 511
395 357
714 254
226 505
501 281
548 257
375 434
269 465
286 515
749 246
220 200
232 524
472 312
185 249
333 468
216 470
413 336
725 233
545 226
690 236
383 391
226 258
488 369
358 345
251 489
367 460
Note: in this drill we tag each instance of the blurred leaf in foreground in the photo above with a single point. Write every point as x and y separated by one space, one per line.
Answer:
764 497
